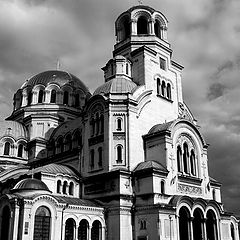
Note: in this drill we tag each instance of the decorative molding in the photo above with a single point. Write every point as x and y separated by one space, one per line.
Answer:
182 188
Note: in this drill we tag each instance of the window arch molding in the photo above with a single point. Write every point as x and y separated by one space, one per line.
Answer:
39 94
168 87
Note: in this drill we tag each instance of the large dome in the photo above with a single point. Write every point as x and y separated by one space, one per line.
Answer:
12 129
55 76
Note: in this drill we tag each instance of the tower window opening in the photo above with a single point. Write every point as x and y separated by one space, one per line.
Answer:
40 96
127 68
65 187
119 124
7 149
53 96
101 123
20 150
92 126
97 123
179 159
71 188
65 97
142 26
119 154
29 102
59 184
157 29
77 102
169 95
162 63
143 225
126 26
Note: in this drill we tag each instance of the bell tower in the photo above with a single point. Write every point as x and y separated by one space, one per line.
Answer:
141 37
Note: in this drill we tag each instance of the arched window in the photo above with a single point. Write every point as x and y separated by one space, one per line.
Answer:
65 187
119 154
100 156
102 124
77 102
163 88
20 150
29 101
184 224
193 163
157 29
65 97
92 158
119 124
42 224
126 26
179 159
96 231
7 146
59 185
68 143
158 86
60 146
77 139
70 226
92 126
185 158
5 224
40 96
83 230
162 187
127 68
71 188
142 26
97 123
53 96
169 96
143 225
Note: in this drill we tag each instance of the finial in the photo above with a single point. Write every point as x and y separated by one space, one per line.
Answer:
58 64
140 2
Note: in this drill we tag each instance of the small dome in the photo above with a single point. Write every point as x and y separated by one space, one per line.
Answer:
55 76
13 129
30 184
116 85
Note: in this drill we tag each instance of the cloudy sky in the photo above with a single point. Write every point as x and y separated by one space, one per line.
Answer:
205 37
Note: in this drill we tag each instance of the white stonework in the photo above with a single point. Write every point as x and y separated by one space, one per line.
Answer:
126 162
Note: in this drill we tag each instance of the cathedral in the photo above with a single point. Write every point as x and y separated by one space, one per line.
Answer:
126 162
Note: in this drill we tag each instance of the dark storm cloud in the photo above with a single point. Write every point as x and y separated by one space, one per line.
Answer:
203 34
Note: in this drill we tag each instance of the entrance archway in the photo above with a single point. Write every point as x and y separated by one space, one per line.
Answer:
96 232
5 223
83 230
211 226
42 224
184 224
197 225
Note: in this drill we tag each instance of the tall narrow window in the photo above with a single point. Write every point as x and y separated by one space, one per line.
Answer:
119 124
92 127
119 154
162 187
65 97
97 123
71 188
163 88
92 158
158 86
142 26
77 102
68 143
179 159
7 148
162 63
29 102
100 156
193 163
185 158
169 96
40 96
126 25
70 228
102 124
53 96
157 29
20 150
59 184
65 187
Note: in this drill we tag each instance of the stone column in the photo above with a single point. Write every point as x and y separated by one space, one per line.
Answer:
134 27
191 227
151 27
